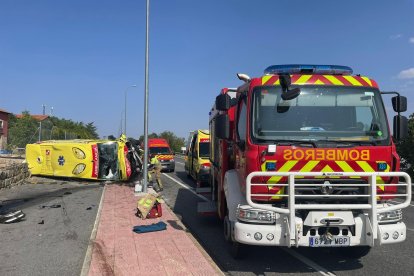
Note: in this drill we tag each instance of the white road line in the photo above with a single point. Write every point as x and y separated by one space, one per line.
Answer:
179 163
307 261
186 187
410 229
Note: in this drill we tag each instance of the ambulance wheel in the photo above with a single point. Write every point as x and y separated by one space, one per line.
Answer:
354 252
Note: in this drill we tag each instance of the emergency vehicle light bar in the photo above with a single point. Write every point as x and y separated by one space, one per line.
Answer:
308 69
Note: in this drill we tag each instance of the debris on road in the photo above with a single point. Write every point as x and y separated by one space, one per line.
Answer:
11 216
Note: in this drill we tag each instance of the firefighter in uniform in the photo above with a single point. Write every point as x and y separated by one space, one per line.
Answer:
155 168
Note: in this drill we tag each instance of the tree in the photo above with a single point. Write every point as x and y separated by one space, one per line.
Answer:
152 135
175 142
405 148
22 131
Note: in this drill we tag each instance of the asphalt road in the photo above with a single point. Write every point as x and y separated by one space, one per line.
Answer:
50 241
179 193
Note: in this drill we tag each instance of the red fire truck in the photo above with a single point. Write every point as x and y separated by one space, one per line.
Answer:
303 156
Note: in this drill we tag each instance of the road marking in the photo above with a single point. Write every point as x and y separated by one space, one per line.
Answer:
410 229
179 163
185 186
307 261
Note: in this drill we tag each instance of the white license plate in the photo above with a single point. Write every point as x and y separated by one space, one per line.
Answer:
335 241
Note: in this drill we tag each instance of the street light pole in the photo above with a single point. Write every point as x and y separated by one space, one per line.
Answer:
145 184
125 107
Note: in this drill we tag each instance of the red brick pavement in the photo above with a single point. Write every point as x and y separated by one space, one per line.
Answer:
117 250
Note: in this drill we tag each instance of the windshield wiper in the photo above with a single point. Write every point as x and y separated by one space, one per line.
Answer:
345 143
305 143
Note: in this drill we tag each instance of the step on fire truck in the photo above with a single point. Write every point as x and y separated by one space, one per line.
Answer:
303 156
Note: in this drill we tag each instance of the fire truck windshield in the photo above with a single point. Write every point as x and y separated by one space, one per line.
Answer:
320 113
159 150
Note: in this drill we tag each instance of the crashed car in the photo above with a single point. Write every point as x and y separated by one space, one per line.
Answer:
81 158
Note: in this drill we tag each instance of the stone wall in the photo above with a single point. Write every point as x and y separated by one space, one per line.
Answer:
13 171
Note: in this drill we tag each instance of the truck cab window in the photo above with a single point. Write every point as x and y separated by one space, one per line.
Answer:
241 123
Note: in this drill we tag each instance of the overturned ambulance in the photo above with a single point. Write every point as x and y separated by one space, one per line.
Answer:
81 158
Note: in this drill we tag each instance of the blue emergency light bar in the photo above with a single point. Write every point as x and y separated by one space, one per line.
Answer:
308 69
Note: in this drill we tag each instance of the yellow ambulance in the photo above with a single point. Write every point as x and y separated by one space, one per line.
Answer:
197 158
89 159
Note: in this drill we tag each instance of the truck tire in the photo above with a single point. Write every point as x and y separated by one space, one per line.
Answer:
227 229
354 252
236 250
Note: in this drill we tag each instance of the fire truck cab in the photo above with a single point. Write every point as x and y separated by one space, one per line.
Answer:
303 156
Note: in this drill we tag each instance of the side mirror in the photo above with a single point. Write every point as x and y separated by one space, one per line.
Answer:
223 102
399 103
290 94
222 126
400 127
285 82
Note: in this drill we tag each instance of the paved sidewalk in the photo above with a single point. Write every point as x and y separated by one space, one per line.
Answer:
117 250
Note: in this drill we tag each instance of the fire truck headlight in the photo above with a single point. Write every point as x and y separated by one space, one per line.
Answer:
390 217
385 236
248 214
270 237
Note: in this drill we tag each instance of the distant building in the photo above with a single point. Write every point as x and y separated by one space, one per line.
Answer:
36 117
4 122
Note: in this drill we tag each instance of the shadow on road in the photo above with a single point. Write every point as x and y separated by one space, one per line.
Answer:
33 194
257 260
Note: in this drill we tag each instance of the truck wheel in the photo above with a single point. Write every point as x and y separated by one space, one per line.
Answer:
354 252
236 249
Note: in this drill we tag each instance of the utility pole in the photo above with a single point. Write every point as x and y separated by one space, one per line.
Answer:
40 123
145 184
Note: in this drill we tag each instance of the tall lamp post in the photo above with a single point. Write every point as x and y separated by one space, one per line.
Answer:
125 107
145 184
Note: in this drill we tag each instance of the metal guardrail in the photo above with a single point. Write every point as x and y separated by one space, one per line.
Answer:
371 195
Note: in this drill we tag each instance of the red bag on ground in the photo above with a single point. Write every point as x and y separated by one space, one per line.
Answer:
156 211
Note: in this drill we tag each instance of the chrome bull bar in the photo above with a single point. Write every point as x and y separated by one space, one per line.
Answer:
371 195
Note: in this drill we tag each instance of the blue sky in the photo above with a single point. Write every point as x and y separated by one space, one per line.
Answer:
80 56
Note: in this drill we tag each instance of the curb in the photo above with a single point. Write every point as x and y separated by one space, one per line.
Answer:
89 250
